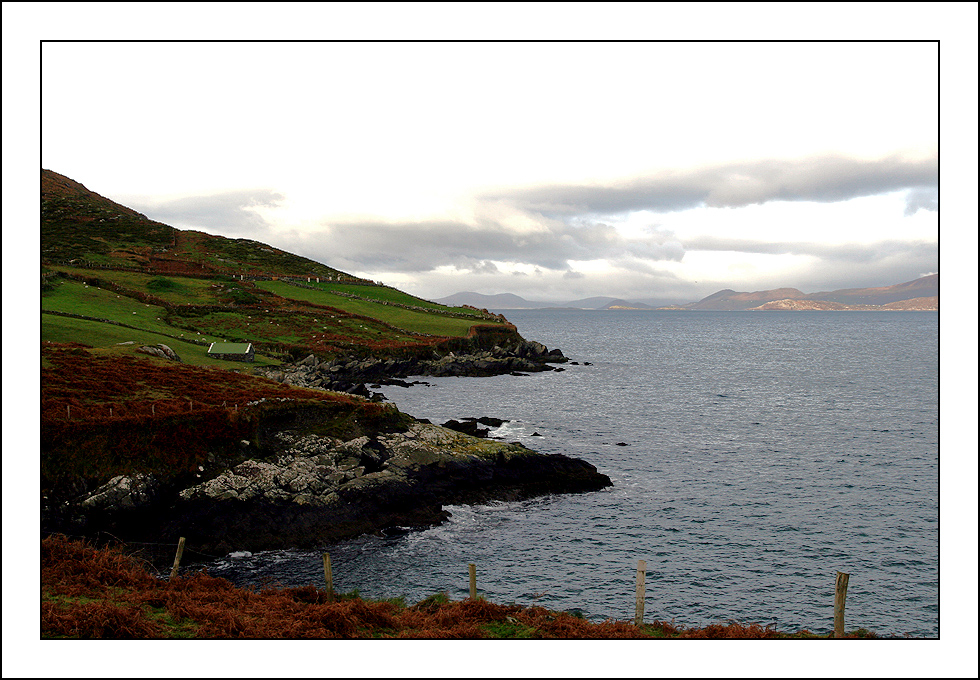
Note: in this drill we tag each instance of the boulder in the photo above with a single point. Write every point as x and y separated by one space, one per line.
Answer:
161 351
122 492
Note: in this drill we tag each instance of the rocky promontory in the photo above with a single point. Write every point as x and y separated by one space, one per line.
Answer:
306 489
320 489
232 461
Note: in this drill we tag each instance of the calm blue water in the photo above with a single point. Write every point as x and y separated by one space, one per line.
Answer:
764 453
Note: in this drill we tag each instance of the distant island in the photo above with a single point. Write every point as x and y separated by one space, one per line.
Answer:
918 295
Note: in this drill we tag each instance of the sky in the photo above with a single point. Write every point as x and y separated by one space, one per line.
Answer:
555 171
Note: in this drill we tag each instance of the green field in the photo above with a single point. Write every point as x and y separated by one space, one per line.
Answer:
386 294
406 319
104 335
173 289
275 315
74 297
77 298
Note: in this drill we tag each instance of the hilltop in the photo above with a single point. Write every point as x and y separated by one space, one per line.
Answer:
81 227
920 294
917 295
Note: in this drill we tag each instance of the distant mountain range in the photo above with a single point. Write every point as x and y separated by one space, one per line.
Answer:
918 295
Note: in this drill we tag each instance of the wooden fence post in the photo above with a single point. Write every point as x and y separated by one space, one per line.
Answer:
840 596
180 553
328 576
472 581
641 577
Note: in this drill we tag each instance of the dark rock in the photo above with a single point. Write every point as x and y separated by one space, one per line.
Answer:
491 422
469 427
298 502
359 390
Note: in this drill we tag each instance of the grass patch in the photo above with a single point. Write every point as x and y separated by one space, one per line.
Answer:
407 319
509 629
175 289
74 297
392 295
108 338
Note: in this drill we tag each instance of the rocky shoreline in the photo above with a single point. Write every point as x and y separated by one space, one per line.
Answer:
308 489
353 375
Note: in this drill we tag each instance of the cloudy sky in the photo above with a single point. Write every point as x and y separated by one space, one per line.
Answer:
555 171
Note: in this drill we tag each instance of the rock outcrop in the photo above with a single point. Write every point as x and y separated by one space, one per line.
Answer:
162 351
310 489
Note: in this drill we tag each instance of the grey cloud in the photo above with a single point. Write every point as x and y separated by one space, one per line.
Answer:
854 253
229 213
423 246
485 267
921 198
822 179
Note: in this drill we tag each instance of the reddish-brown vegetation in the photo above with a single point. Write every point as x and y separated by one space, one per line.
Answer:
89 592
91 383
107 415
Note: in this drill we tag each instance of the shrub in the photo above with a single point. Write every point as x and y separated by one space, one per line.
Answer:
162 284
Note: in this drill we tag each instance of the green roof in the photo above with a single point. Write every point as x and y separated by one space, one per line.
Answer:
229 347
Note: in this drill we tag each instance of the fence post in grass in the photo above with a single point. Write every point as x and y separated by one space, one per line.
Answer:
180 553
328 576
840 596
69 411
641 590
472 581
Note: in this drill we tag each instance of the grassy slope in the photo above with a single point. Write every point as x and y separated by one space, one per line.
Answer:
186 267
270 314
102 335
408 319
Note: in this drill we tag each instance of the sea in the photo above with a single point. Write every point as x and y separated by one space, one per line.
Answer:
754 455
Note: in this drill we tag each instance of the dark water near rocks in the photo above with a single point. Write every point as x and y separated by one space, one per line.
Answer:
763 453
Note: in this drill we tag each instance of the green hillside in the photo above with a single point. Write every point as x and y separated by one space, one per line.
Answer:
111 275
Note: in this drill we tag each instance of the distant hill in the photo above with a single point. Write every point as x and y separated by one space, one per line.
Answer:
499 301
729 300
919 294
624 304
503 301
914 305
923 287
